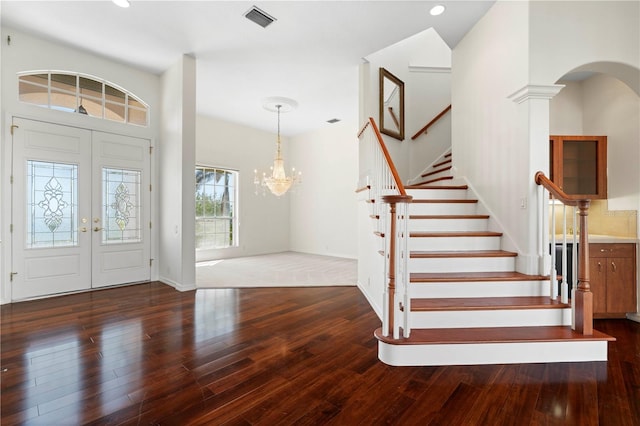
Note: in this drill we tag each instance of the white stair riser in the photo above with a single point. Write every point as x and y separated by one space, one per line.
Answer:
454 243
442 208
491 318
437 290
438 174
438 194
448 225
492 353
462 264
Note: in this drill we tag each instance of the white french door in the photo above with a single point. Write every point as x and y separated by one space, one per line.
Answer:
80 209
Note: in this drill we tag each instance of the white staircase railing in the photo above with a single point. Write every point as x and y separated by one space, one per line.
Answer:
385 187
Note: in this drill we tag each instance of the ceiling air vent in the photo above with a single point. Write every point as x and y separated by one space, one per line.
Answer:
333 120
260 17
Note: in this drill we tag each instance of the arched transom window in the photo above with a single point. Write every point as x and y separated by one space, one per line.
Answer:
82 94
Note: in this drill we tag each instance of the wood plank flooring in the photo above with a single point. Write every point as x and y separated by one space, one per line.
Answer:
147 354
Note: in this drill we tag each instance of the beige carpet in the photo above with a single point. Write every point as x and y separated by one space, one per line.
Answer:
288 269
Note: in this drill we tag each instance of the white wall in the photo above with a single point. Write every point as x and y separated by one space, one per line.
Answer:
264 225
30 53
567 34
603 105
176 176
490 133
324 207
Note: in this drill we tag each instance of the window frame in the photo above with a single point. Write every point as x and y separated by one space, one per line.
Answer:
234 208
130 102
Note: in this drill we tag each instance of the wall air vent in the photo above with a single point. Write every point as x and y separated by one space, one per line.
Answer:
260 17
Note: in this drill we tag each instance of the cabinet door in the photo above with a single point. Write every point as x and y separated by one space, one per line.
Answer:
598 283
621 287
579 165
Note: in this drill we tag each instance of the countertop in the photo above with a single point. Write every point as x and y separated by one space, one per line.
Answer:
597 238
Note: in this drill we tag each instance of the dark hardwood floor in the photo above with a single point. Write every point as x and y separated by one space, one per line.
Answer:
147 354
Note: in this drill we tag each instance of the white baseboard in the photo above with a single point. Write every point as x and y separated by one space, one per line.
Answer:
176 285
634 316
376 308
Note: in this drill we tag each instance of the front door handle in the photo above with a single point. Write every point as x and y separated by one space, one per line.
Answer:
96 229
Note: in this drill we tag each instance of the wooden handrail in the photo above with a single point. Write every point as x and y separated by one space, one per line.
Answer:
364 128
394 117
429 124
583 297
554 189
383 147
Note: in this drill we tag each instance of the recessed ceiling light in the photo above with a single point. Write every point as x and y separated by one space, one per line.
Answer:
437 10
122 3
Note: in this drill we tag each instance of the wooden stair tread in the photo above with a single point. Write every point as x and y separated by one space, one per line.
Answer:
448 187
456 234
468 253
485 303
425 277
436 336
426 182
443 201
449 216
444 169
443 163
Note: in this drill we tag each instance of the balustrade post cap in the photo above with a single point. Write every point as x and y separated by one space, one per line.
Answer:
394 199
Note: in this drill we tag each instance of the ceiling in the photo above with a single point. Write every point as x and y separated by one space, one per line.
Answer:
310 53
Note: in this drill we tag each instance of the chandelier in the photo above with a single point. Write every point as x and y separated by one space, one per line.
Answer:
278 182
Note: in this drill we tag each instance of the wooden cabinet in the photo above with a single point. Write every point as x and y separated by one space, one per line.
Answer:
578 165
612 273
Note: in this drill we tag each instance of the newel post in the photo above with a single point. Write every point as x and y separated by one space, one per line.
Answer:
583 296
391 300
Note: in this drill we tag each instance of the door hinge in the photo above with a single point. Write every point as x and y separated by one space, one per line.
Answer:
11 228
13 126
149 224
149 187
150 150
11 276
11 179
150 262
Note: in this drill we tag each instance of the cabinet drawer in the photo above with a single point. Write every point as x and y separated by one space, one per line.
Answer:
612 250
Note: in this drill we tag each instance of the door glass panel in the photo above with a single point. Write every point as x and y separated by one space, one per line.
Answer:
580 167
121 206
52 204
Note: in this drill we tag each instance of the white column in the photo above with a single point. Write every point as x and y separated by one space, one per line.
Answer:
534 99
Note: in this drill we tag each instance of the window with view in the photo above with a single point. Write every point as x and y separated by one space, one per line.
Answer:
81 94
216 208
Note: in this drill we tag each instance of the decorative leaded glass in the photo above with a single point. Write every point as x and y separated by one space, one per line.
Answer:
121 206
52 204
